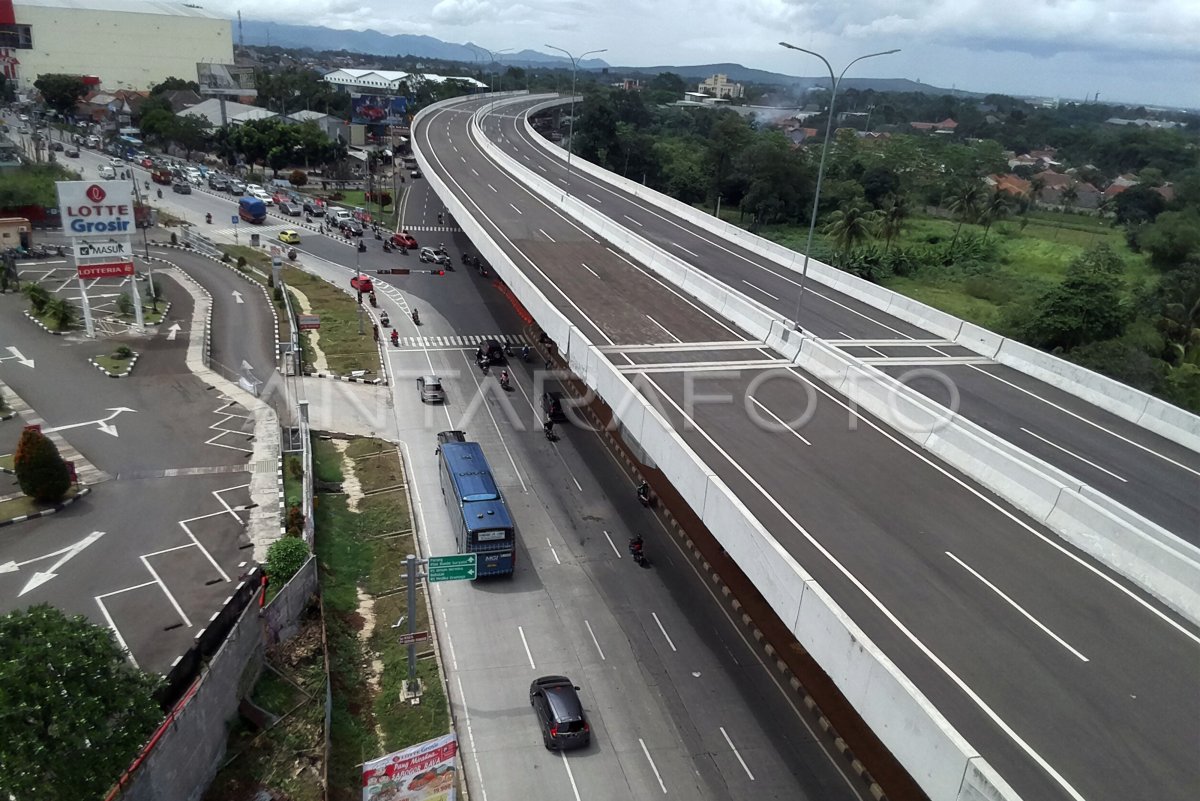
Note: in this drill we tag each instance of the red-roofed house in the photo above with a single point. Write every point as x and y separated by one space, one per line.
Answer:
945 126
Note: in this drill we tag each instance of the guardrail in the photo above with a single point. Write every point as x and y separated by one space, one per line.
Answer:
1131 404
1154 558
945 765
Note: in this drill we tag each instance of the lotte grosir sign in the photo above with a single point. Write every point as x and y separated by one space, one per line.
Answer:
96 207
112 269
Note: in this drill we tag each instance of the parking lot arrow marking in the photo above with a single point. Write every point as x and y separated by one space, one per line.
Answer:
42 576
101 424
173 331
16 354
238 296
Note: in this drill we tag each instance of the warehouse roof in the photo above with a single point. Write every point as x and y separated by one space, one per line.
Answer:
128 6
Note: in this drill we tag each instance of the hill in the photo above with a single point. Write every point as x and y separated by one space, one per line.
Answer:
736 72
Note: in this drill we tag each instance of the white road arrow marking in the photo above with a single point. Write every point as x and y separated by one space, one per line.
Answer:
42 576
101 424
16 354
173 331
238 296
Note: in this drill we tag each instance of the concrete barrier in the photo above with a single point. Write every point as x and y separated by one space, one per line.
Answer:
1151 413
909 724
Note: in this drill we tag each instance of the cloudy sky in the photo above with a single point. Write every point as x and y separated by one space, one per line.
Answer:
1126 50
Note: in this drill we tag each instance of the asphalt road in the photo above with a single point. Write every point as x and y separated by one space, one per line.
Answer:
1147 473
155 550
990 615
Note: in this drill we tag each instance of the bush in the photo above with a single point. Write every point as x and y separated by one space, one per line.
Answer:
298 178
40 470
987 288
123 352
174 238
295 521
38 297
124 305
278 295
284 558
241 262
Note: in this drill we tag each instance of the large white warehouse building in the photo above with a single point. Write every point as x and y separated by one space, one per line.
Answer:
128 44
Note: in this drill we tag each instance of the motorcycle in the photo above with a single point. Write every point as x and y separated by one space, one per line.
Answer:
403 250
292 254
386 247
645 498
160 194
637 551
504 382
362 246
395 338
508 350
441 249
548 430
525 354
374 302
208 218
416 318
384 320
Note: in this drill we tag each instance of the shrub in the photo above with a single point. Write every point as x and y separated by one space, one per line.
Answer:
124 305
295 521
174 238
284 558
40 470
278 295
38 297
241 262
298 178
61 313
123 352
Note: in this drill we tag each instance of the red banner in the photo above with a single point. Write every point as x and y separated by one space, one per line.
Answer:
114 269
424 772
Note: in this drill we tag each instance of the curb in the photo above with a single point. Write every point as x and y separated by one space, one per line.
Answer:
42 325
58 507
132 361
348 379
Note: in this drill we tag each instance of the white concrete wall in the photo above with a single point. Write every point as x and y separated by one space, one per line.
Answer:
126 50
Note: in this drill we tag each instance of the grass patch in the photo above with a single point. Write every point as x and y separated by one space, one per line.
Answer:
327 462
6 462
361 555
46 319
114 363
344 348
26 505
255 258
293 479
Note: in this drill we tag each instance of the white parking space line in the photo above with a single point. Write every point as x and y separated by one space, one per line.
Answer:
570 775
1076 455
589 269
735 752
543 233
611 545
666 636
760 289
595 642
528 653
635 222
1017 606
514 208
551 545
653 767
664 328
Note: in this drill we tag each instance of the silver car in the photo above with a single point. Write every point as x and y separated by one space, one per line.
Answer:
429 387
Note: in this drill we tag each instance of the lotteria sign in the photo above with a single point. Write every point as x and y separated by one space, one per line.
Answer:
96 207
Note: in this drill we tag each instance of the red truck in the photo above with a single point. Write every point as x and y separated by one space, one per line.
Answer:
161 176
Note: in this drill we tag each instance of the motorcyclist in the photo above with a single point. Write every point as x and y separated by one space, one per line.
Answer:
643 492
383 318
548 429
525 353
208 218
504 378
395 337
637 547
416 317
160 194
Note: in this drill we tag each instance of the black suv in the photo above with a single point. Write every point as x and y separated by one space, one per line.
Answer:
314 208
218 183
552 406
555 701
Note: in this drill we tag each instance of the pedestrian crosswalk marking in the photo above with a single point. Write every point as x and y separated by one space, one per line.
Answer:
463 341
448 229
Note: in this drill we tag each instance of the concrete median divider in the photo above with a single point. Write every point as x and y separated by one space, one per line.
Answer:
1151 413
929 747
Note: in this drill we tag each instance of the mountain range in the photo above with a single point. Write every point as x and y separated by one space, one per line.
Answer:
370 42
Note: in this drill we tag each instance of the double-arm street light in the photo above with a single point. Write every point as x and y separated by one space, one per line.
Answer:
574 69
835 81
499 77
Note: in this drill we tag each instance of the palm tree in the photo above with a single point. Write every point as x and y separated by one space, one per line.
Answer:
850 226
997 207
965 205
61 313
1069 197
891 219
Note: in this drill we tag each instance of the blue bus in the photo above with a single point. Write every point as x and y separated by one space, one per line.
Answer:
482 524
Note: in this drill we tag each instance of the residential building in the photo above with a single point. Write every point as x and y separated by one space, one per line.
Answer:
331 126
127 44
946 126
1010 184
235 113
720 86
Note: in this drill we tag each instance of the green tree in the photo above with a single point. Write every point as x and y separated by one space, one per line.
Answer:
850 227
41 472
1087 307
298 178
1175 305
1138 204
38 298
285 557
1069 197
730 134
965 205
75 712
60 92
892 216
61 313
1172 239
997 207
174 84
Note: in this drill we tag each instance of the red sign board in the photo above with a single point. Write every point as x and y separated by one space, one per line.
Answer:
112 269
415 637
308 322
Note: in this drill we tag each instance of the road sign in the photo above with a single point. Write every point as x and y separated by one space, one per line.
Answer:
416 636
117 248
89 208
108 269
308 322
459 567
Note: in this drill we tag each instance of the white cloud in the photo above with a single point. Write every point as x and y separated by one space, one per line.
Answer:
462 12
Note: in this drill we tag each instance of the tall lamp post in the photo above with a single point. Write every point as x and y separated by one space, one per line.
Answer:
574 71
812 224
499 77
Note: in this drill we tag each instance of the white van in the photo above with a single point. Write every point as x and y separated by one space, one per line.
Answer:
107 172
340 214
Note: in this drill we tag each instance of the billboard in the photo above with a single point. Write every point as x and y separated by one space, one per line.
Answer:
378 110
225 79
89 208
424 772
111 269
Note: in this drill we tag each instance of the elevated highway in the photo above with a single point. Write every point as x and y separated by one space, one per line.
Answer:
1029 657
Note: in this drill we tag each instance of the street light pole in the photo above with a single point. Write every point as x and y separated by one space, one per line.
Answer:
574 71
812 224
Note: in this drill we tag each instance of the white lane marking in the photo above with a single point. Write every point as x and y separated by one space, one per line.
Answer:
595 642
556 559
475 171
735 752
570 775
495 424
463 159
1072 453
514 208
491 187
666 636
844 335
779 420
563 181
593 197
543 233
664 328
540 167
455 148
870 596
675 291
589 269
689 252
635 222
653 767
466 715
760 289
528 653
611 545
1016 606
